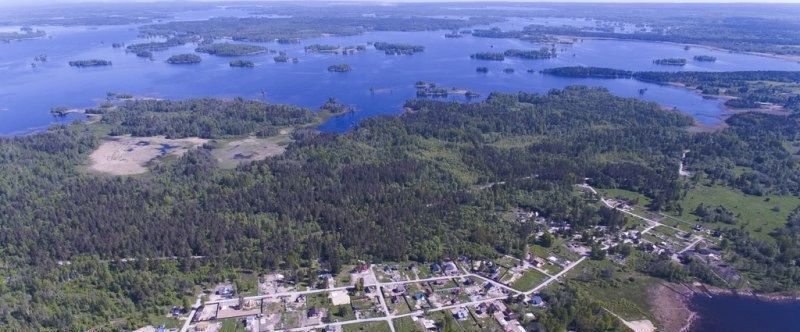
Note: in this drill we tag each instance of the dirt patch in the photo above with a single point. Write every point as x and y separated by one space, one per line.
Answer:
669 303
125 155
250 149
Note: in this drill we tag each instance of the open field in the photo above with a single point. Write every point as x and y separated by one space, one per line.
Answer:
125 155
760 215
235 152
529 279
370 326
618 288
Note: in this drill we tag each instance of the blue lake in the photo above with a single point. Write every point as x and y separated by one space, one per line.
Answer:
378 84
733 313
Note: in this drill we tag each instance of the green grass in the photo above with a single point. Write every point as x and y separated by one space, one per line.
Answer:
446 156
247 283
405 324
619 293
168 322
369 326
530 279
344 278
627 195
754 212
231 325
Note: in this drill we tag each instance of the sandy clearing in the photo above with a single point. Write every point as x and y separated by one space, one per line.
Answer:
249 149
126 155
670 306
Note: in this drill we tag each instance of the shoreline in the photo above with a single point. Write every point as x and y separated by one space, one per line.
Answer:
671 303
787 57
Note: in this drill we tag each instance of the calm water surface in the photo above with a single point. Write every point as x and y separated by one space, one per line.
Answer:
732 313
27 94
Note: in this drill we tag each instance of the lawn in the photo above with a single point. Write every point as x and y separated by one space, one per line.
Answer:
760 215
406 324
530 279
369 326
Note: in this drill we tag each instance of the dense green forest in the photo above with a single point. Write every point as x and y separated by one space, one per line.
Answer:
393 189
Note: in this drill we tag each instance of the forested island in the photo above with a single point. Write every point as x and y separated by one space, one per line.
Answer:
145 50
230 49
242 63
184 59
398 49
340 68
20 35
89 63
335 49
543 53
670 62
491 56
704 58
282 57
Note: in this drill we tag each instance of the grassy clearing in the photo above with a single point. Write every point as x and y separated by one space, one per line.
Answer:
630 196
247 283
531 278
618 288
447 157
369 326
231 325
760 215
406 324
167 322
343 278
231 153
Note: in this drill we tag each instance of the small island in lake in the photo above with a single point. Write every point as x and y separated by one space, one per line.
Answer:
184 59
508 70
429 89
282 58
398 49
230 49
341 68
335 49
490 56
705 58
670 62
542 53
89 63
242 64
482 70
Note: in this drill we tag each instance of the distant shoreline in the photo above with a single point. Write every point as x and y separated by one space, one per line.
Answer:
786 57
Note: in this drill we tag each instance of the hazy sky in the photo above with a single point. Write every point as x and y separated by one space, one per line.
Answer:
30 2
